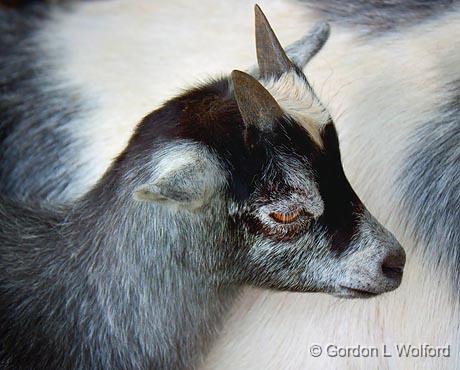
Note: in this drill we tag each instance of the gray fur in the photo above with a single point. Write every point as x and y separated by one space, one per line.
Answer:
359 275
128 297
303 50
181 185
37 150
431 184
377 16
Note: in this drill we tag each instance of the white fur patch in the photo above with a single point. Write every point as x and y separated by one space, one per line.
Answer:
297 99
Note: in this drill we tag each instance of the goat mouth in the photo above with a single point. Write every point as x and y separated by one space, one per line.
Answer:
348 292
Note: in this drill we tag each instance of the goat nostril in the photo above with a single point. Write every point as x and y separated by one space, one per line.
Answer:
392 266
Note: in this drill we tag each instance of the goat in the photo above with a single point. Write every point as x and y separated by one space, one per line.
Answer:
219 188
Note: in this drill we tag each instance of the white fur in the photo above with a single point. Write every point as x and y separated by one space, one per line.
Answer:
297 99
128 58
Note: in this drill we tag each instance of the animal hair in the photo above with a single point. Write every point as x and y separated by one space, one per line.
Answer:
37 174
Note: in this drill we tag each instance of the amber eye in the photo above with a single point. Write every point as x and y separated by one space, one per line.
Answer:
285 218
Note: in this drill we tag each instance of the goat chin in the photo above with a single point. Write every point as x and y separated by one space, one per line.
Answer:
126 59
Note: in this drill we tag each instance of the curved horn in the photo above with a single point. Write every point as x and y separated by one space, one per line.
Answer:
271 57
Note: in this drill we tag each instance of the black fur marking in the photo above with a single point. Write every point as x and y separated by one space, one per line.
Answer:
377 16
431 184
342 206
210 115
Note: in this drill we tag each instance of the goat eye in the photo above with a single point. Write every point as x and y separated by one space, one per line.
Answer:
285 218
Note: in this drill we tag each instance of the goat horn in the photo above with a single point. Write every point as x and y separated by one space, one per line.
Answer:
257 107
271 57
303 50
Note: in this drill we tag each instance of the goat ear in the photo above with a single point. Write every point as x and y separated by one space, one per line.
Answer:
257 107
190 184
271 56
